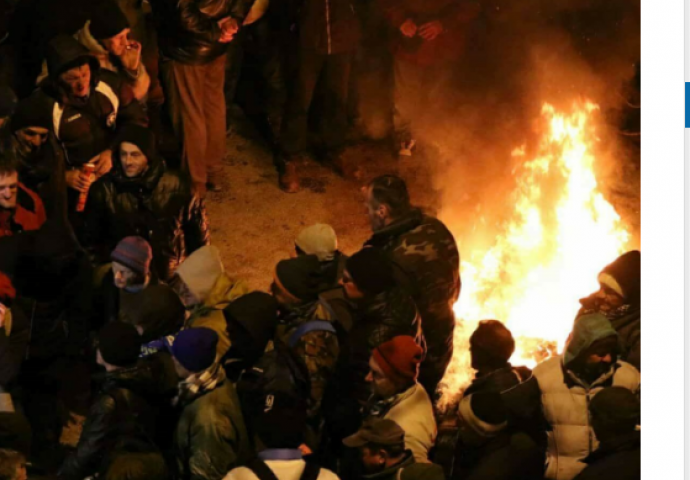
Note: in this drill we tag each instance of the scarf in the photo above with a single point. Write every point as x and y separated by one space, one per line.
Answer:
198 384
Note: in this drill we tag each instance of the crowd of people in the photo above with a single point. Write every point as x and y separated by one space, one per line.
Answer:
112 131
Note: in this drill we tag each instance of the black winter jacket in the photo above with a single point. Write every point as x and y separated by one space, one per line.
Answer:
158 206
619 459
188 30
124 407
328 26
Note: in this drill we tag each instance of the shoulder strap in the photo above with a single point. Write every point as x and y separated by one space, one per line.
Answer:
314 325
261 470
311 472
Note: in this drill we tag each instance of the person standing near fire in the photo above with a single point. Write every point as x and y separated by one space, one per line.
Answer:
428 37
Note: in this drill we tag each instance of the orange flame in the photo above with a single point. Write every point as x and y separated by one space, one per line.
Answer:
548 253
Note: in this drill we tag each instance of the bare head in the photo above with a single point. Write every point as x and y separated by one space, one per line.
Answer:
9 183
387 200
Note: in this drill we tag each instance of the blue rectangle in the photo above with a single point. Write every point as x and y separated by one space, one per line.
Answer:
687 104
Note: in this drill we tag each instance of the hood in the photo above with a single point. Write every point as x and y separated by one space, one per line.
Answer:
85 37
586 330
252 320
146 141
63 52
223 291
160 313
201 270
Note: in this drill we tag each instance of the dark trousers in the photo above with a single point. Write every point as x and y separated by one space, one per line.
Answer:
334 72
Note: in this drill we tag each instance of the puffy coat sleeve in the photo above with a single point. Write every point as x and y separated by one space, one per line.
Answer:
196 231
92 442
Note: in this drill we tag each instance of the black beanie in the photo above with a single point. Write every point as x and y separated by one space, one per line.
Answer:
140 136
119 344
617 407
257 315
300 276
160 312
371 271
107 20
33 111
494 340
623 276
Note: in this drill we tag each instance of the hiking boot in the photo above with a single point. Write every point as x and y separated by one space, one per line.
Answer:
288 180
406 148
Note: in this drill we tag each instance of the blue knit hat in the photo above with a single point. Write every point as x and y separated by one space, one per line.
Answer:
587 330
195 348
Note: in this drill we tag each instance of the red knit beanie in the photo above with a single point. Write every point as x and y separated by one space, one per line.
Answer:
399 358
7 291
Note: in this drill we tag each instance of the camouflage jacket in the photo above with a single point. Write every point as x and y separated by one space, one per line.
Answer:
318 348
427 263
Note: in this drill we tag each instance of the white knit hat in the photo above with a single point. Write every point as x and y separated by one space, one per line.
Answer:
320 240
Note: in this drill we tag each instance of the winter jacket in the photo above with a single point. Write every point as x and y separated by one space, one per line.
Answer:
211 437
282 469
619 458
188 30
565 399
86 129
505 457
413 411
328 26
454 15
377 320
14 339
408 469
126 406
29 214
158 206
522 398
427 262
627 322
139 80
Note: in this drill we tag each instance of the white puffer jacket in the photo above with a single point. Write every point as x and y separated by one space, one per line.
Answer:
566 408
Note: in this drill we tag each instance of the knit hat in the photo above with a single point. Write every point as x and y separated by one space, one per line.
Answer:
142 137
371 271
319 240
485 413
617 407
399 358
134 253
7 291
587 330
300 276
119 344
201 270
623 276
381 431
195 348
107 21
494 340
33 111
8 101
256 316
64 52
159 312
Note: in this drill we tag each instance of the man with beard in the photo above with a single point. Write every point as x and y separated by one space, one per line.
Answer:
20 208
618 298
40 159
569 381
426 262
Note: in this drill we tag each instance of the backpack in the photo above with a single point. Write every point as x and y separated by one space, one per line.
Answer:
264 472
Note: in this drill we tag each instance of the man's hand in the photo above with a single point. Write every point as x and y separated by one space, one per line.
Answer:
431 30
131 58
77 181
103 162
230 27
409 28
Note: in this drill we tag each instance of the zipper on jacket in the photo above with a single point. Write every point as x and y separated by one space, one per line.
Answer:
328 24
589 428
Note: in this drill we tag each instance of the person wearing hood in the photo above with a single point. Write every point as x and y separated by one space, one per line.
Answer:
106 36
211 437
205 290
568 382
384 456
85 107
251 323
615 413
426 262
21 209
123 406
41 159
306 325
618 298
320 240
141 197
486 448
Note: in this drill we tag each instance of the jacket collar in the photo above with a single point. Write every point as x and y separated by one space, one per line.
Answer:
148 181
572 379
409 222
391 472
